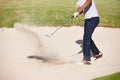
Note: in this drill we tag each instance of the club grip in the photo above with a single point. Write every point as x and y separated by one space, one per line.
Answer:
72 17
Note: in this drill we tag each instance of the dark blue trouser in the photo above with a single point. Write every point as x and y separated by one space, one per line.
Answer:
88 43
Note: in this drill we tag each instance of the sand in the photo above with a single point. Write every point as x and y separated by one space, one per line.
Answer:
55 57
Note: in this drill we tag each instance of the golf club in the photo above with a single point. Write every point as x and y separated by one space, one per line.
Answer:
59 27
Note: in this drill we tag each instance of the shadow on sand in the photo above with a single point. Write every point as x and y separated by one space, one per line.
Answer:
80 42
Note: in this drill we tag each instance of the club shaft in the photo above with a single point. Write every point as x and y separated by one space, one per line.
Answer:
60 27
56 30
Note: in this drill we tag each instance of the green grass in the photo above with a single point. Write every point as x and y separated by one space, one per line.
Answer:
115 76
54 12
109 12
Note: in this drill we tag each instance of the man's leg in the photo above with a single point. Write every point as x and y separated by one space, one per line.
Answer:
94 49
88 30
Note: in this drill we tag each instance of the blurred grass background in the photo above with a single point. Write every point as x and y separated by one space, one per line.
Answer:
54 12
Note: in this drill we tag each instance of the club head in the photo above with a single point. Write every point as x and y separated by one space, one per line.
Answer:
72 17
47 35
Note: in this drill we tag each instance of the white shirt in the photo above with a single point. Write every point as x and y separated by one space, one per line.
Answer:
90 11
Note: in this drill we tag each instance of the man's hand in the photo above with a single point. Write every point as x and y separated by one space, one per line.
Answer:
76 14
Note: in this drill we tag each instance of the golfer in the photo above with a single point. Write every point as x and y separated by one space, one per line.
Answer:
88 8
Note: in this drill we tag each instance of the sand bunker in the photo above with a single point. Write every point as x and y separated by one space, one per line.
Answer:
23 42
